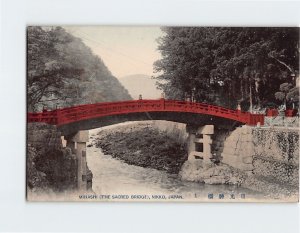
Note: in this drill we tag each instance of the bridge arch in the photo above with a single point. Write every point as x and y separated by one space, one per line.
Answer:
84 117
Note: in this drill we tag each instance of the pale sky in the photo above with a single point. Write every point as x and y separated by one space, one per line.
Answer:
124 50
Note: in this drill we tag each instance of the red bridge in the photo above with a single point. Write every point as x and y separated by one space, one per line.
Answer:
100 114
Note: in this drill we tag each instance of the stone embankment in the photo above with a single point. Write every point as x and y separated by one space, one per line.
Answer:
264 159
50 166
282 121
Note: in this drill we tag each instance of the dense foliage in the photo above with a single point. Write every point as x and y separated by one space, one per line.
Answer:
145 146
227 66
62 70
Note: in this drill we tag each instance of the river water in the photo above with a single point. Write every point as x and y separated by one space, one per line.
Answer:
116 178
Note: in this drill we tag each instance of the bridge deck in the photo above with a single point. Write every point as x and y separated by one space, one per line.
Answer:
89 111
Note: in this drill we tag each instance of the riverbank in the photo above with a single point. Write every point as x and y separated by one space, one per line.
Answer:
220 174
143 145
113 177
51 167
146 145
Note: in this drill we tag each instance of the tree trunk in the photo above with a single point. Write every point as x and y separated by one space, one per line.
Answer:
250 96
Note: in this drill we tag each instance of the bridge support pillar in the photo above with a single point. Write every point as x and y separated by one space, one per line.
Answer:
77 143
199 142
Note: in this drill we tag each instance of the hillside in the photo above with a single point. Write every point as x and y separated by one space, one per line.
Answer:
63 71
141 84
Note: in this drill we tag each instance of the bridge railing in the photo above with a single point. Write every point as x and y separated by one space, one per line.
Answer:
104 109
83 112
204 109
49 117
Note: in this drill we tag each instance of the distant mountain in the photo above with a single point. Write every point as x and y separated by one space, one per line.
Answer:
141 84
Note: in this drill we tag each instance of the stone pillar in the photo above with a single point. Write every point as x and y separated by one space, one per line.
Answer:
77 143
81 172
199 143
191 145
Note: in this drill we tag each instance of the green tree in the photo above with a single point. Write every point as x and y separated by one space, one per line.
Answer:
226 66
48 69
186 63
282 94
288 94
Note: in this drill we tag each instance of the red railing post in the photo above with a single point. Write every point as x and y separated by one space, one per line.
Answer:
248 118
262 119
162 103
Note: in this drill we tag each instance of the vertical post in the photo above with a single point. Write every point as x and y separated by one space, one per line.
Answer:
262 119
81 158
250 96
248 118
199 147
191 146
162 103
57 115
239 109
77 143
207 147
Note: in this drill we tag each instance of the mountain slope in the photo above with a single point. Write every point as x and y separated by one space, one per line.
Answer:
140 84
62 71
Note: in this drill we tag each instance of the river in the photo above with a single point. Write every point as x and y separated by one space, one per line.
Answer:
114 177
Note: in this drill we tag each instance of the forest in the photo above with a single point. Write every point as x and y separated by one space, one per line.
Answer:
255 67
62 71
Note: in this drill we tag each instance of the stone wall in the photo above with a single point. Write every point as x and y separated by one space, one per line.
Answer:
276 154
282 121
218 139
270 154
238 149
